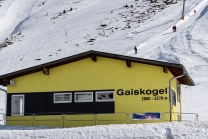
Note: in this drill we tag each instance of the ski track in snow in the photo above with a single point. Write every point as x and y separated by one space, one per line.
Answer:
150 28
17 28
11 14
153 42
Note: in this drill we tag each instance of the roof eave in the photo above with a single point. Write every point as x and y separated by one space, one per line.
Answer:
171 66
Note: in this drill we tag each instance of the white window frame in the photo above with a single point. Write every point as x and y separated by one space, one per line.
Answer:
23 105
54 96
83 93
174 99
110 100
178 93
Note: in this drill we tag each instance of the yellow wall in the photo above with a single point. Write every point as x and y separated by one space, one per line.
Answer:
104 74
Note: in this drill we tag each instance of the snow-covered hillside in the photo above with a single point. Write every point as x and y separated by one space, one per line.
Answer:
108 26
37 31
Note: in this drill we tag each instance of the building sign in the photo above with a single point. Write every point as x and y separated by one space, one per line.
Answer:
146 116
154 94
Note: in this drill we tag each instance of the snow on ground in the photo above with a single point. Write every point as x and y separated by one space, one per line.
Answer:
37 29
2 106
181 130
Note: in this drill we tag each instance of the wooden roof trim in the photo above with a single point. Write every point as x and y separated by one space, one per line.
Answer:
94 57
165 69
137 60
48 65
128 63
46 71
175 69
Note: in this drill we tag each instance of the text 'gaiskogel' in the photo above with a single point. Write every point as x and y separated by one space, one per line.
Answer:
141 91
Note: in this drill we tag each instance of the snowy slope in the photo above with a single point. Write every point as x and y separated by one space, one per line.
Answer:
43 29
189 47
43 38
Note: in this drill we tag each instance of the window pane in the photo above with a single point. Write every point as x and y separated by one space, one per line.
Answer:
173 97
62 97
104 96
17 105
83 97
179 92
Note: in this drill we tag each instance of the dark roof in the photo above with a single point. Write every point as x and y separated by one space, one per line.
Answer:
175 69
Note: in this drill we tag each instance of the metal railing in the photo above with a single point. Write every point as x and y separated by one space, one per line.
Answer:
15 117
123 117
72 115
196 116
51 114
67 118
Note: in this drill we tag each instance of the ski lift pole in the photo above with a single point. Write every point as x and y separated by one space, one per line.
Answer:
66 36
183 10
197 117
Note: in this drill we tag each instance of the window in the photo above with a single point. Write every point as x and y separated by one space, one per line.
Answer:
83 97
173 97
17 108
178 92
104 96
62 97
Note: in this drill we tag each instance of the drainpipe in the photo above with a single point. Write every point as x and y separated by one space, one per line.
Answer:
170 85
5 104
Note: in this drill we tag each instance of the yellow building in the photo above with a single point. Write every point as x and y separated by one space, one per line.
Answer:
94 88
